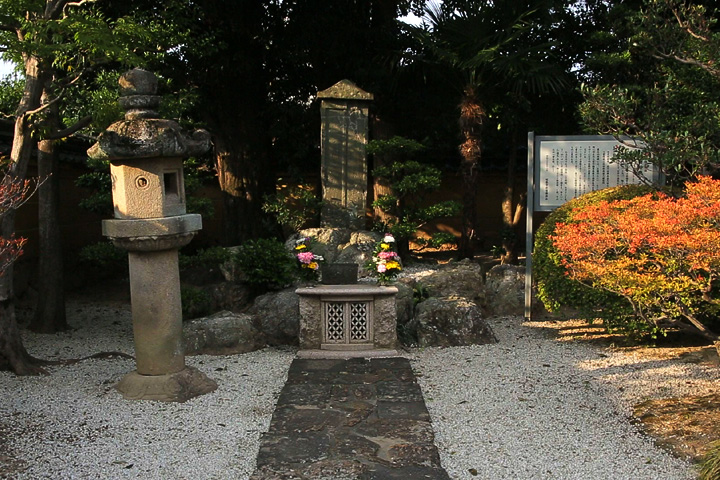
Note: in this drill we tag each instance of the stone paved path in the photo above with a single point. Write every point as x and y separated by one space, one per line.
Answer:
350 419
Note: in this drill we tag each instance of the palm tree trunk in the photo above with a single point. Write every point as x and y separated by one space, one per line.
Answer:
512 212
472 115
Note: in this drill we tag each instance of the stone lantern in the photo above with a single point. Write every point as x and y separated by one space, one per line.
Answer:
146 164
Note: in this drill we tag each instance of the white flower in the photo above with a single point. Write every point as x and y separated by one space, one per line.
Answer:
388 238
318 258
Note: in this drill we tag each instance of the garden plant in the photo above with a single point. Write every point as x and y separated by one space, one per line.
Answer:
656 252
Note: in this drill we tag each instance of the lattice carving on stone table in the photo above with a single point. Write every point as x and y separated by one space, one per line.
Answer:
334 322
359 329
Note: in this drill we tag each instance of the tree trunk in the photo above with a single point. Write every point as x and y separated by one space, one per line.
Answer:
243 183
50 312
13 355
12 352
472 115
512 213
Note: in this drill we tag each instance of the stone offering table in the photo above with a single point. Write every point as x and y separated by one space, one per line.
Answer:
343 321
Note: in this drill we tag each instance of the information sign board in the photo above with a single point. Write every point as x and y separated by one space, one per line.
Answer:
567 167
561 168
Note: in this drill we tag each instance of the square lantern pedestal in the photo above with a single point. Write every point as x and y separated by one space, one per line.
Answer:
345 321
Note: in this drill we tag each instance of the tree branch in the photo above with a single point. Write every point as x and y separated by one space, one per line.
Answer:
79 125
685 26
76 4
688 61
53 8
42 107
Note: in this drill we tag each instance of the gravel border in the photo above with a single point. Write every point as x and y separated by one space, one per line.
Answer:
528 407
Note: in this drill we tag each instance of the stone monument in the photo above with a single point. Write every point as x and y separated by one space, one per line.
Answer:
344 132
146 155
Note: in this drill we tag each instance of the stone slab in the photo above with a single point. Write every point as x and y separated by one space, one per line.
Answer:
150 227
350 419
345 354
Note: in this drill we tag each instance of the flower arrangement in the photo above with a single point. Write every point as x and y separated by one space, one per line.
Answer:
307 261
385 263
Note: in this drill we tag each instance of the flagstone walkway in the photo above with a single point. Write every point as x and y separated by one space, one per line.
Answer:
350 419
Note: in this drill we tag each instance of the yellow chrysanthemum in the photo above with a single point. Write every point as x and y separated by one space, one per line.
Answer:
391 265
385 246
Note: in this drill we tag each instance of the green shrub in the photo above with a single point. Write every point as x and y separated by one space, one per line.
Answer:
105 256
208 258
196 302
437 240
266 263
293 208
554 289
410 182
710 467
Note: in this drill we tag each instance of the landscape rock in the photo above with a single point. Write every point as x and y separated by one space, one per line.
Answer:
230 270
339 245
325 241
277 316
461 279
505 290
405 309
228 296
359 250
449 322
223 333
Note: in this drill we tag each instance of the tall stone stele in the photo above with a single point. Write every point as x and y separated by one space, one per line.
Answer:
344 134
146 164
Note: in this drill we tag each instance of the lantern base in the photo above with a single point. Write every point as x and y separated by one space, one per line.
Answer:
174 387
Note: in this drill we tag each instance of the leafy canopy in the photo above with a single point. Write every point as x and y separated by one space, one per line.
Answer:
662 87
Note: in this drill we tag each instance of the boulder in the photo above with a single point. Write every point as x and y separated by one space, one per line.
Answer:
458 279
277 316
229 269
325 241
223 333
450 321
359 250
405 309
229 296
340 245
505 290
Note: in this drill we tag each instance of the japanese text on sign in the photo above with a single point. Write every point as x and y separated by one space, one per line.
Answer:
570 168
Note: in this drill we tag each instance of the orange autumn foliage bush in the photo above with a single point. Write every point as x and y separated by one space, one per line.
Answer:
660 253
13 193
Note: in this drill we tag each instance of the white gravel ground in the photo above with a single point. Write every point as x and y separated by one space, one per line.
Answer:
72 424
528 407
531 407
